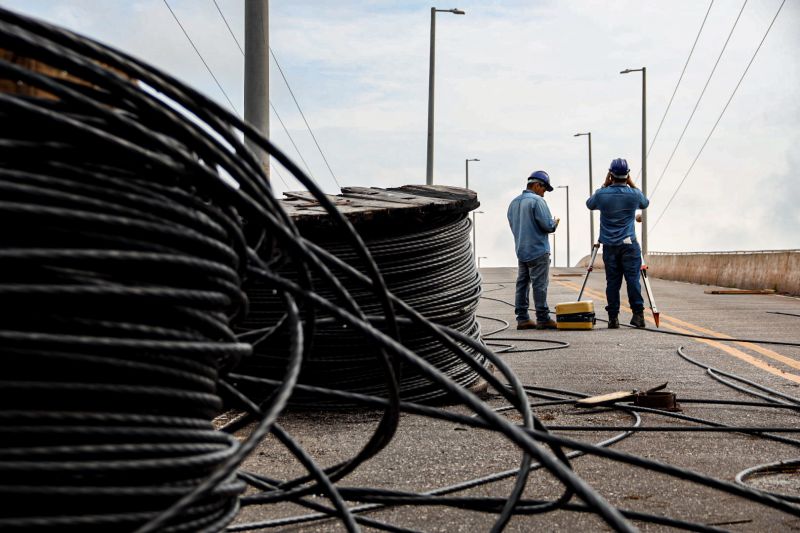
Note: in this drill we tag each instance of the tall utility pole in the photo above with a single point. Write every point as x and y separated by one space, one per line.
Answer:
643 70
591 189
466 186
431 71
256 73
569 263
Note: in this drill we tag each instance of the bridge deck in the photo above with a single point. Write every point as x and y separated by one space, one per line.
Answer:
427 454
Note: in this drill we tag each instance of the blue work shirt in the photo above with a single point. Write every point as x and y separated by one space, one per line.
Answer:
617 204
531 222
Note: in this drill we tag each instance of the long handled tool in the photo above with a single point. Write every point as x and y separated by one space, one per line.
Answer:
595 248
645 281
650 297
578 314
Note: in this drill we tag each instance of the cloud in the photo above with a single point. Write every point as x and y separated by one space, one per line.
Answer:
514 81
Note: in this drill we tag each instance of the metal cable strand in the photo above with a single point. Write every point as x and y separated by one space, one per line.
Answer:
119 282
431 270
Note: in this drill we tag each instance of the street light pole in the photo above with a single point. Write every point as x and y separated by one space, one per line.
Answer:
466 171
644 150
466 186
429 166
591 188
474 235
567 188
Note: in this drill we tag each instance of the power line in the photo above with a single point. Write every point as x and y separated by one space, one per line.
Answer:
277 64
274 110
228 26
288 86
202 59
658 130
699 99
308 170
720 115
275 169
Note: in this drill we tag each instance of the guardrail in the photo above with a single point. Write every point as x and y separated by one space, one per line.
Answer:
761 269
739 252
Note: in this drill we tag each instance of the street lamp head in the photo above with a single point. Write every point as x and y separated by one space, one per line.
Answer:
457 12
579 134
476 159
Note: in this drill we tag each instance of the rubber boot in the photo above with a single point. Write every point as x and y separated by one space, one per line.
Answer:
637 319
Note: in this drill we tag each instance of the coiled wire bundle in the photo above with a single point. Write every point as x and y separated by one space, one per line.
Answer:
432 269
120 277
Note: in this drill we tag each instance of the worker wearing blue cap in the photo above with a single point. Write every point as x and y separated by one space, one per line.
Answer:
618 199
531 223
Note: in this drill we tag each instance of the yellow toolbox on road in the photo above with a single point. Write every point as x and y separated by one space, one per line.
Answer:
575 315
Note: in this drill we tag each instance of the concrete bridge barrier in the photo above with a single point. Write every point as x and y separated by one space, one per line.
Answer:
764 269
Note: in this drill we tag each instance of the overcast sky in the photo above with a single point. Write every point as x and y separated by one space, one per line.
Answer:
514 81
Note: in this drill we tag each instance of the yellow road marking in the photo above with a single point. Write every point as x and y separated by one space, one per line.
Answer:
675 323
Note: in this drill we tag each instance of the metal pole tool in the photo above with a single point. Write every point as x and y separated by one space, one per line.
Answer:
645 281
595 248
650 297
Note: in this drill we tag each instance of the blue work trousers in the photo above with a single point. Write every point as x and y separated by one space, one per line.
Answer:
623 260
536 273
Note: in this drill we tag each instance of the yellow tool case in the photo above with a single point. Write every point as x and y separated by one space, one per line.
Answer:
575 315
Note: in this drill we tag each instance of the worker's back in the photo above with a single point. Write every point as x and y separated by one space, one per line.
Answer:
617 204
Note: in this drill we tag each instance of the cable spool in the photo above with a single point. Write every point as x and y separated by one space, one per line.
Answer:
431 268
120 276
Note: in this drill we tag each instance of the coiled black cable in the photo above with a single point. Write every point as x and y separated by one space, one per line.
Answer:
431 269
120 279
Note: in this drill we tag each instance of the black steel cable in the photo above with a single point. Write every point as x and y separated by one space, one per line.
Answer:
782 313
578 445
431 269
678 334
779 467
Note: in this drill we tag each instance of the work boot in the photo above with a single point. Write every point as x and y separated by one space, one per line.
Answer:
613 322
637 319
548 324
526 324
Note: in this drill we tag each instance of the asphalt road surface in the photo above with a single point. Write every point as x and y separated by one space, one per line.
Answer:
427 454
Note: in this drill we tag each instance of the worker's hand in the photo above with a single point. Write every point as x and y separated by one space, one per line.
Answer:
608 181
629 182
557 221
638 217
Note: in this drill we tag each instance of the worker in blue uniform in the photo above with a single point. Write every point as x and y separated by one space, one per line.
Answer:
618 199
531 223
